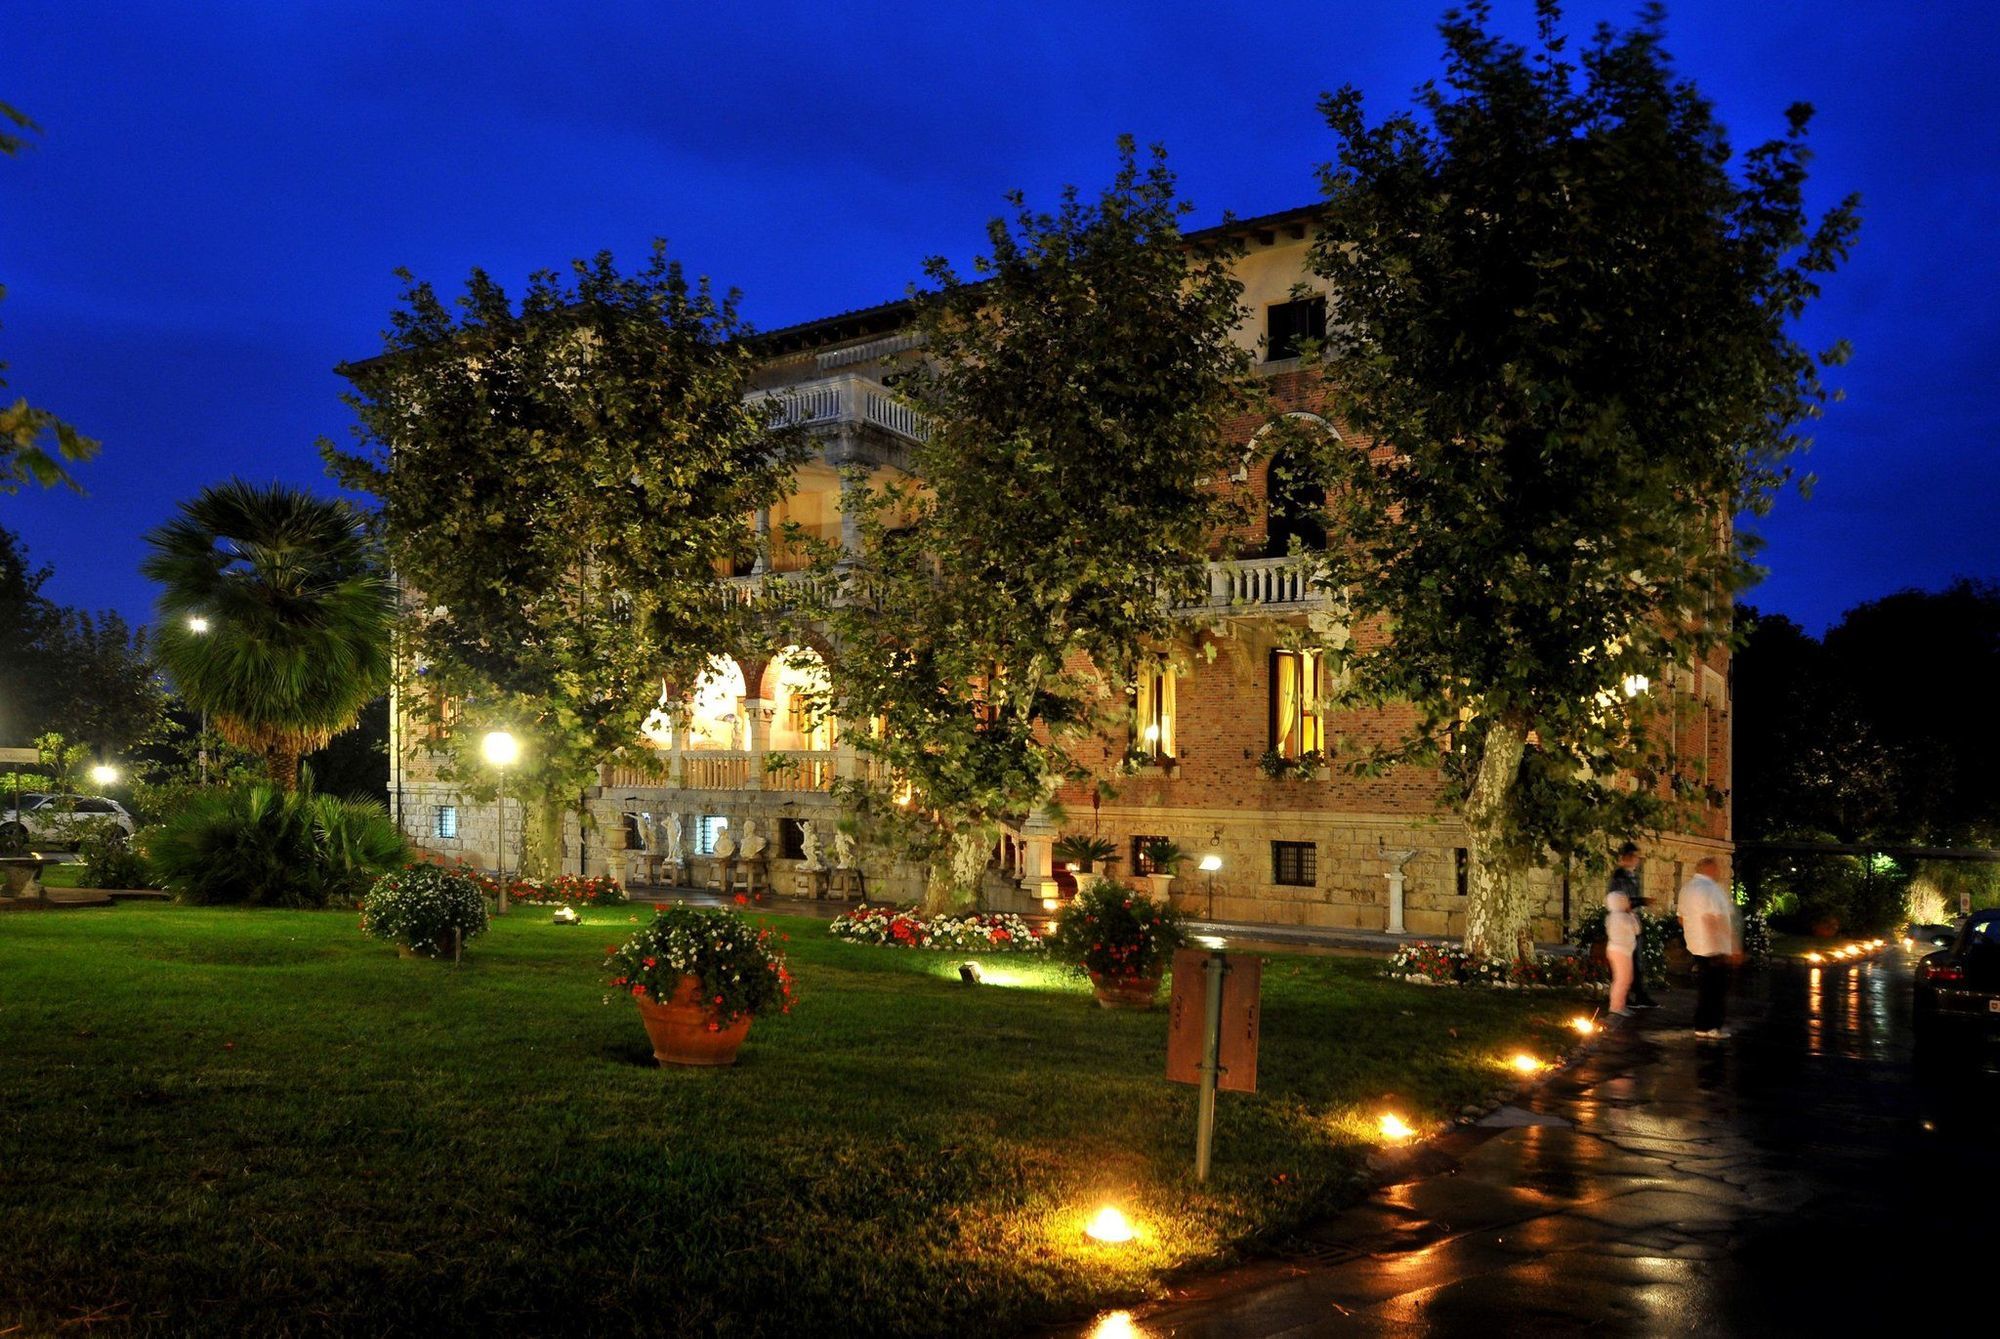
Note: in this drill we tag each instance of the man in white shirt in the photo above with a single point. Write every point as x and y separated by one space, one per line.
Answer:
1708 920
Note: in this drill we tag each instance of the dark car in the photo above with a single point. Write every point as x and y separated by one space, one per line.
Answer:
1958 988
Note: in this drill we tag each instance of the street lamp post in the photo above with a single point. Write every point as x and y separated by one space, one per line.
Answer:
1210 863
104 774
502 750
199 626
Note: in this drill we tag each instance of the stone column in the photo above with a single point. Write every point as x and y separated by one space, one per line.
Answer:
852 491
1038 836
758 713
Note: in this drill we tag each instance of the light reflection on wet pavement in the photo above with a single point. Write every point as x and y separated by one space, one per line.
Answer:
1802 1177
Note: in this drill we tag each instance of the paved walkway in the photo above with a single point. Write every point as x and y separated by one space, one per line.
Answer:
1799 1178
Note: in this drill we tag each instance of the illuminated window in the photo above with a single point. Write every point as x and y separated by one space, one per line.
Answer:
706 829
1295 864
1296 728
1153 715
447 820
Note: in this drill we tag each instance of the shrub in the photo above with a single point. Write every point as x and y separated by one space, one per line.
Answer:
1113 931
1083 852
420 905
1656 934
110 857
260 846
975 933
741 971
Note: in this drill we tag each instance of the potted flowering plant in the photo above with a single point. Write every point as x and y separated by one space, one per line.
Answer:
699 976
1121 939
427 911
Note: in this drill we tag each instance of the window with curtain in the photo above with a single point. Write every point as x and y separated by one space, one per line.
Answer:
1296 689
1153 714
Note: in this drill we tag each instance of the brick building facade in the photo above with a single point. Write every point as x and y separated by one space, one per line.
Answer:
1307 850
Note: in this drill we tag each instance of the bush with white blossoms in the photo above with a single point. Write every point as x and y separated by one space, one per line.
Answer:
739 965
420 905
974 932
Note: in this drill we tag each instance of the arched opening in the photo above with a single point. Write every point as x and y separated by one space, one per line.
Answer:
797 690
1294 497
715 709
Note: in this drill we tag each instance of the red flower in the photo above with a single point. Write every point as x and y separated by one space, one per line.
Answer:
742 901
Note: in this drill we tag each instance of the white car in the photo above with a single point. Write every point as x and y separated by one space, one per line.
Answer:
51 820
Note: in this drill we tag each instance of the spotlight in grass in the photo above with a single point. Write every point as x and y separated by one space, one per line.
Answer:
1523 1063
1110 1227
1815 957
1583 1025
968 972
1115 1325
567 916
1393 1128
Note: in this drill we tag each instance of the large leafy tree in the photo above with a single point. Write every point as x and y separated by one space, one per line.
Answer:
86 676
560 479
1075 386
34 443
1564 323
297 615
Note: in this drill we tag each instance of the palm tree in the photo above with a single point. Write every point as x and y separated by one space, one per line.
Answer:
274 618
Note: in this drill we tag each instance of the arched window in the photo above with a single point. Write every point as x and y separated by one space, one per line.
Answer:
1294 498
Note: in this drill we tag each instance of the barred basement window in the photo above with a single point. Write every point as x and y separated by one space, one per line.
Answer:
1464 870
1295 864
791 839
447 820
706 829
1140 864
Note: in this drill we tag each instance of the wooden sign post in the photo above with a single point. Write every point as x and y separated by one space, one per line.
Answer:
1212 1033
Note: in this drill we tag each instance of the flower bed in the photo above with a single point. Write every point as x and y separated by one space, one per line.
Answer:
1451 965
975 933
564 890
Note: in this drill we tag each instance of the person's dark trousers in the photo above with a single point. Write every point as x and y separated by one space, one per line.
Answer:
1711 984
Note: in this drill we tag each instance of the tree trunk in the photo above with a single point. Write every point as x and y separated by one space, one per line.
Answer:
1499 902
281 764
953 885
542 834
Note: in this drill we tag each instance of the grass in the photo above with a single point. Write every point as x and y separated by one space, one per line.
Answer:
68 875
225 1121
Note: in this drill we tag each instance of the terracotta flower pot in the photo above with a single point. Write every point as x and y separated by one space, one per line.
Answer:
680 1032
1125 992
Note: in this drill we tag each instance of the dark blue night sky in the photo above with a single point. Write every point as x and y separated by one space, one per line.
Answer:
211 218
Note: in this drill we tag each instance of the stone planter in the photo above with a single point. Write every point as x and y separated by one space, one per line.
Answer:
1162 886
680 1032
1125 992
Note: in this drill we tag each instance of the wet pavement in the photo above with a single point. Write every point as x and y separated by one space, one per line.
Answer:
1802 1177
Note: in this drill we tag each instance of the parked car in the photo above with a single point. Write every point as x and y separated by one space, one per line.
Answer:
49 820
1928 937
1958 987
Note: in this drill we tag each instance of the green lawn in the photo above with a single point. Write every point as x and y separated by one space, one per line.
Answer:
236 1122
